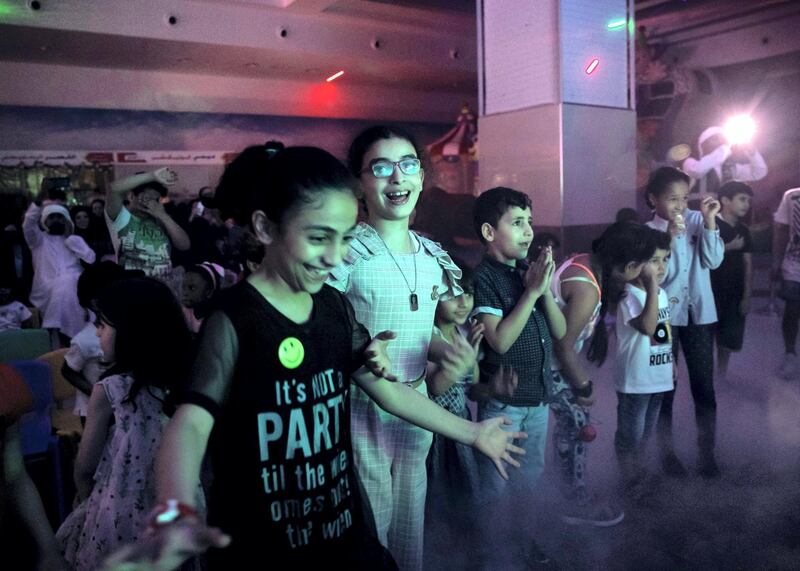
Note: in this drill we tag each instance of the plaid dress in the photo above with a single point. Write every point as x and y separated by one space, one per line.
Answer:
389 452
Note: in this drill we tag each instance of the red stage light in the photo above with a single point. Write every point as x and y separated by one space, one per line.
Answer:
592 66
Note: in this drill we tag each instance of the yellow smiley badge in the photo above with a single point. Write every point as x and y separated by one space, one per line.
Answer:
291 352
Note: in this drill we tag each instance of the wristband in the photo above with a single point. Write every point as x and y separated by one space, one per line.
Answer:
585 391
170 512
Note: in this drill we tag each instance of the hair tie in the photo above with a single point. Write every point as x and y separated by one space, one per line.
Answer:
215 271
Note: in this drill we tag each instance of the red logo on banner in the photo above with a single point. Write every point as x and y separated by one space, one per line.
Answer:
99 157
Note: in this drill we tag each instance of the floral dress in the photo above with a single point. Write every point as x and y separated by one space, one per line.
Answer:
124 491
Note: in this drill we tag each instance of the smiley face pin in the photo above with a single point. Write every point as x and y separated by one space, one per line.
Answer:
291 353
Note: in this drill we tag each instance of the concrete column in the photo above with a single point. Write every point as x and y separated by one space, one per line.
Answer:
553 124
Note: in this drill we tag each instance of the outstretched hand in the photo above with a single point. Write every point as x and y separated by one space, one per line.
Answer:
378 362
166 548
498 444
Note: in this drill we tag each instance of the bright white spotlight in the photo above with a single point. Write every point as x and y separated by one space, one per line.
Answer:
740 129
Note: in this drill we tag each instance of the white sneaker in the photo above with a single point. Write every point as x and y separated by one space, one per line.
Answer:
789 368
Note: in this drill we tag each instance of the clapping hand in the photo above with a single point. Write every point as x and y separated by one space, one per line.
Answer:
540 272
460 357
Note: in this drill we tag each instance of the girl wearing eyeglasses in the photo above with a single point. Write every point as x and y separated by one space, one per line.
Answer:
394 278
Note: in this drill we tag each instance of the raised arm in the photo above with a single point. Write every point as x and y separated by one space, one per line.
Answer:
177 235
699 168
647 321
712 248
80 248
30 225
756 169
117 190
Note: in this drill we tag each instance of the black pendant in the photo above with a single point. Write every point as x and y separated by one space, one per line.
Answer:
414 303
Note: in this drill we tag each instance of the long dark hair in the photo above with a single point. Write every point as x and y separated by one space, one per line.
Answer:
620 244
153 342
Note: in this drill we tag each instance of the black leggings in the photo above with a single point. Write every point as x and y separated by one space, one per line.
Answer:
697 342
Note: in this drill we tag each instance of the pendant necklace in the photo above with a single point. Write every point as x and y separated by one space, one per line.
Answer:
412 298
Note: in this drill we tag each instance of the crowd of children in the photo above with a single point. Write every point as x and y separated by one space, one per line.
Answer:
314 384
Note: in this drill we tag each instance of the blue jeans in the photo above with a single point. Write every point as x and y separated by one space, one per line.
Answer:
530 419
636 418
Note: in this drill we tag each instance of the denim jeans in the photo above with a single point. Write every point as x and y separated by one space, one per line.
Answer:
530 419
636 418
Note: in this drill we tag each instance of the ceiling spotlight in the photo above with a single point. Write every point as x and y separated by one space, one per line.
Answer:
740 129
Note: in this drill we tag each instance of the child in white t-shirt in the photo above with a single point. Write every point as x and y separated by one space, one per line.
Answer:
644 363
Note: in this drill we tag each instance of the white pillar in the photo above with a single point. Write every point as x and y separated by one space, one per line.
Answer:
552 124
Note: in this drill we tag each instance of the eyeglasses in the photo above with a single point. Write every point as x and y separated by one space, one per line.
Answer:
384 169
